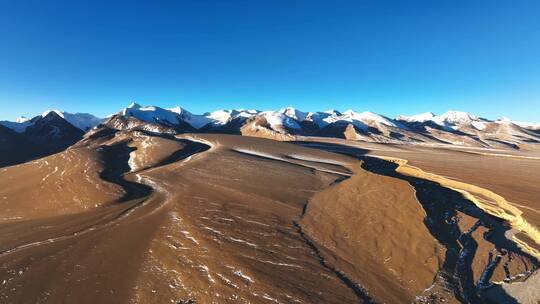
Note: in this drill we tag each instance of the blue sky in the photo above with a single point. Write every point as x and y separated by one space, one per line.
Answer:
390 57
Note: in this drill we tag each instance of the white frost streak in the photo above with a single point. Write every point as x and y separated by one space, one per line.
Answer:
207 272
267 297
290 160
280 264
212 230
244 242
47 176
240 274
189 237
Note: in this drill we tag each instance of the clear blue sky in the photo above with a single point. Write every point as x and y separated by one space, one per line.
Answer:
390 57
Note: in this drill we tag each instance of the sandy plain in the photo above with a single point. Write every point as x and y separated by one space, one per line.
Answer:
133 217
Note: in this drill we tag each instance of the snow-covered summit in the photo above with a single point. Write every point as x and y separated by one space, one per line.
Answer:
423 117
18 127
322 119
528 125
21 119
450 120
57 112
153 114
361 120
82 121
294 113
176 115
370 117
454 118
278 119
221 117
295 121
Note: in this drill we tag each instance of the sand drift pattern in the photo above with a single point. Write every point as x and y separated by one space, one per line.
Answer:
231 219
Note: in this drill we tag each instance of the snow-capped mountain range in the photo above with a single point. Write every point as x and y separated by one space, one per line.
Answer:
452 127
45 134
82 121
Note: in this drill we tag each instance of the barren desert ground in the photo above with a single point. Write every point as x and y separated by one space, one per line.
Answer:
135 217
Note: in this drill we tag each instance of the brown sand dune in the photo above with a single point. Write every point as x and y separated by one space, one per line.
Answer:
373 232
133 217
200 225
59 184
480 177
511 174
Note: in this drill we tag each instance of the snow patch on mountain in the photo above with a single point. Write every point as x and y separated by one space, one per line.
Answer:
528 125
221 117
18 127
323 119
479 125
368 117
153 114
450 120
21 119
277 119
288 118
83 121
294 113
454 119
417 118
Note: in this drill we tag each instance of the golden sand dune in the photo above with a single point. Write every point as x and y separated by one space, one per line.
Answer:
133 217
373 232
185 221
64 183
501 230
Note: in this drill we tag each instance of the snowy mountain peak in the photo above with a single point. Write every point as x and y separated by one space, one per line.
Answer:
46 113
423 117
450 120
528 125
83 121
177 110
221 117
277 119
134 105
366 118
17 126
294 113
456 117
332 112
21 119
289 119
503 120
151 114
322 119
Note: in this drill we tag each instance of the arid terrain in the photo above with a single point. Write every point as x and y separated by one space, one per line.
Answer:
139 212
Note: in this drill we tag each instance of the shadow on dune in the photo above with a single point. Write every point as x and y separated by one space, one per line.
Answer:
330 147
115 158
116 163
441 206
190 148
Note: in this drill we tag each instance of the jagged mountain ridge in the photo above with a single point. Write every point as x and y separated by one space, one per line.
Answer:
452 127
83 121
40 136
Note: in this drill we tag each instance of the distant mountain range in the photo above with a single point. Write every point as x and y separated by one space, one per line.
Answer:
54 130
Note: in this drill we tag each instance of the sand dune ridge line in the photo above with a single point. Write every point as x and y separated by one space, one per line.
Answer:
484 199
